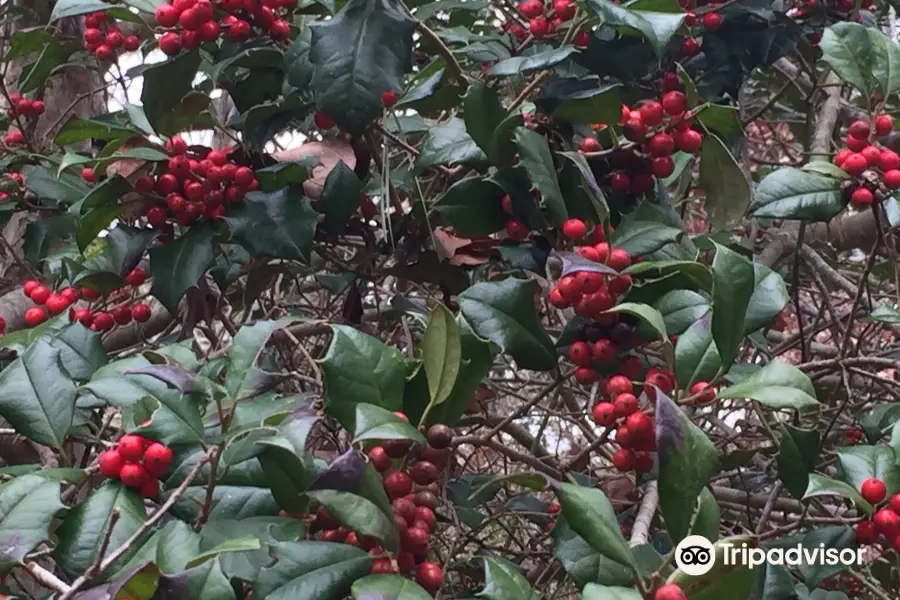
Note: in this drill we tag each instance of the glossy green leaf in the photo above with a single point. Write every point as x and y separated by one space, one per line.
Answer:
473 207
862 56
29 504
37 397
859 463
165 84
204 582
682 308
687 459
376 423
819 485
643 237
797 456
592 591
656 27
696 356
539 60
504 313
267 530
727 189
483 113
590 515
339 201
447 144
81 351
286 216
534 151
583 563
790 193
360 515
387 587
71 8
648 315
180 264
311 571
733 283
504 581
441 353
243 378
769 298
83 528
777 385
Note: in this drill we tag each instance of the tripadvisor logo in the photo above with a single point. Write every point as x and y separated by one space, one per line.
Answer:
696 555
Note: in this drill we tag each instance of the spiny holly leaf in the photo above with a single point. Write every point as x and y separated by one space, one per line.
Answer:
538 161
504 313
687 459
165 84
859 463
83 529
28 506
37 397
819 485
311 570
204 582
361 52
243 378
71 8
863 57
285 215
178 265
473 206
376 423
583 563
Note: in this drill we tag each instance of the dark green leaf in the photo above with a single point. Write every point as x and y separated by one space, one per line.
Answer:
178 265
794 194
441 353
727 190
246 565
376 423
340 197
687 459
696 357
360 515
504 581
36 395
581 100
387 587
643 237
313 570
82 531
733 283
165 84
472 207
681 309
522 64
67 188
448 143
35 74
243 379
819 485
504 313
583 563
656 27
592 591
534 151
768 299
349 79
43 236
859 463
777 385
296 60
483 113
287 218
863 57
28 505
81 350
71 8
590 515
797 455
77 129
284 174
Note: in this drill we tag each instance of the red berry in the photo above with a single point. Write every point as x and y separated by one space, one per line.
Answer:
104 53
279 30
243 176
389 98
663 166
705 392
674 103
110 463
56 304
887 521
643 462
639 424
89 293
133 475
635 130
651 113
539 27
690 20
323 121
114 39
381 566
626 404
884 124
859 130
430 576
855 164
855 144
604 350
712 21
891 178
585 375
618 384
604 414
558 300
398 484
669 591
103 321
89 175
872 155
170 43
423 472
866 533
157 458
416 539
690 47
661 144
132 43
620 182
873 490
531 8
564 9
150 488
580 353
141 313
887 160
623 459
121 315
516 230
40 294
619 259
861 198
30 286
167 15
131 447
136 277
589 144
574 229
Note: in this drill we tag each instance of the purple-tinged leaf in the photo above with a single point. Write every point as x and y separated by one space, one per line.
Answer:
344 473
572 263
172 374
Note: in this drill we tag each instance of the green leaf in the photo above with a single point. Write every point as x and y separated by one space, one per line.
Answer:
247 543
790 193
863 57
733 282
360 368
797 456
709 517
696 356
28 41
648 315
81 350
180 264
768 299
504 581
165 84
590 187
339 201
206 582
287 218
581 100
523 64
83 529
43 236
268 530
590 514
243 378
859 463
592 591
35 75
682 308
441 353
819 485
296 60
447 144
727 189
643 237
656 27
71 8
534 151
387 587
360 515
176 544
36 395
313 570
483 113
687 459
885 313
504 313
284 174
777 385
29 505
376 423
583 563
349 79
473 207
67 188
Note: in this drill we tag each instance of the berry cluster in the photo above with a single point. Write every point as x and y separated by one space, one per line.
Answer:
657 128
21 107
197 21
413 508
194 185
546 21
886 521
854 435
103 37
137 462
861 159
13 138
103 319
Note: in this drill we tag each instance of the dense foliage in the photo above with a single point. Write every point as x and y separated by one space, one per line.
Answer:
393 301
